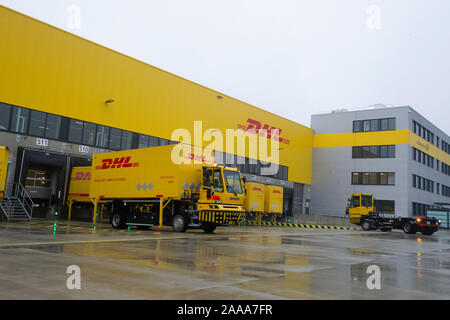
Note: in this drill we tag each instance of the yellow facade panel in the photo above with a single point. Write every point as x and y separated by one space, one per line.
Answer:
50 70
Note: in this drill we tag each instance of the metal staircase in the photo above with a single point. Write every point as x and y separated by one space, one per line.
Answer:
17 207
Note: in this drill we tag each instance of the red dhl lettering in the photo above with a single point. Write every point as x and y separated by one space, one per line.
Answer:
81 176
255 127
257 189
196 157
116 163
276 191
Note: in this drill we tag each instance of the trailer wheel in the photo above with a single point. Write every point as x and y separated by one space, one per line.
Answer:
208 227
118 221
409 228
179 223
427 232
366 225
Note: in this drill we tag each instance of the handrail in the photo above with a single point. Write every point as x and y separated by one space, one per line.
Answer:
7 207
25 200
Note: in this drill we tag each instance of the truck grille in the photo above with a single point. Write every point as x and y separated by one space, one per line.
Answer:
221 217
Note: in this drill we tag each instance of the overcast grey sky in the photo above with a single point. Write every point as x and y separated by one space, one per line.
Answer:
293 58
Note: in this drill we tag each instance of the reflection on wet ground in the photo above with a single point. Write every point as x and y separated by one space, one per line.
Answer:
233 263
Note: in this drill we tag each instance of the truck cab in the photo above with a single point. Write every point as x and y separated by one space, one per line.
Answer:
222 188
360 205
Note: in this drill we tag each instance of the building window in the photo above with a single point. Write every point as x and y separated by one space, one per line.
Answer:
366 152
143 141
89 133
52 126
154 142
126 140
385 205
75 130
5 115
102 137
19 121
114 140
373 178
374 125
37 123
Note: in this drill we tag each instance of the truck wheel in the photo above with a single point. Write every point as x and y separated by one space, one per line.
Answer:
366 225
409 228
208 227
179 223
118 221
427 232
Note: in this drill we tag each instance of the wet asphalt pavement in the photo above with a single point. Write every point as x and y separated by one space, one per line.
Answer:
232 263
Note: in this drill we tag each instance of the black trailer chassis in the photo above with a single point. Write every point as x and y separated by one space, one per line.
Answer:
409 225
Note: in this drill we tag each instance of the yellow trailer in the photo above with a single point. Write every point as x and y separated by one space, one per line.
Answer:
147 188
4 155
79 188
273 203
254 199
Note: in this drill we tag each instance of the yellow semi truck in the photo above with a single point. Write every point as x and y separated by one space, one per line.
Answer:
4 155
147 188
362 212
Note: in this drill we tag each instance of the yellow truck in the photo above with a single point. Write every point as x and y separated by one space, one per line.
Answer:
362 211
4 155
273 200
254 199
79 188
147 188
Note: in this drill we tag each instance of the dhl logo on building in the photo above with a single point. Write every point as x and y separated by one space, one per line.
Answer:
254 126
116 163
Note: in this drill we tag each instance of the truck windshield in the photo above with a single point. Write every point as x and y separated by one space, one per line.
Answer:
233 181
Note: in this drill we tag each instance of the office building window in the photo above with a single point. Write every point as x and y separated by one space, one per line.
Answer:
5 114
385 205
19 121
52 126
75 130
366 152
143 141
374 125
37 123
419 209
373 178
102 138
126 140
115 139
89 133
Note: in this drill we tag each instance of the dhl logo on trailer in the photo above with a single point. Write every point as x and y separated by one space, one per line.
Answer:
254 199
145 173
80 180
4 156
273 199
